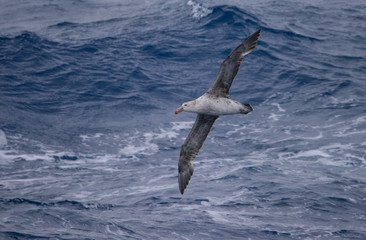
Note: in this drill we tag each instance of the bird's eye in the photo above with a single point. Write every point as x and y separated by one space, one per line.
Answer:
185 105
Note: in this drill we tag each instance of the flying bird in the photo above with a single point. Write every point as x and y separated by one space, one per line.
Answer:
210 106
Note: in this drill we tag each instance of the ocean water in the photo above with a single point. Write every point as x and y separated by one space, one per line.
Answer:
89 142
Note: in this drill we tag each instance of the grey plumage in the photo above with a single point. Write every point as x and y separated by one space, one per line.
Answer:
230 66
191 146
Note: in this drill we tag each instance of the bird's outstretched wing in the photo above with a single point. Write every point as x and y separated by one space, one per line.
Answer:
230 66
191 147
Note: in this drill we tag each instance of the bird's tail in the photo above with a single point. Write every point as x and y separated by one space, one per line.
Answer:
247 108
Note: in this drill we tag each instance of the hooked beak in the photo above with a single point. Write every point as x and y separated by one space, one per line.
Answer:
180 109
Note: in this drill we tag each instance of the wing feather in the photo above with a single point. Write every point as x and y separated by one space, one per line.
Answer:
230 66
191 147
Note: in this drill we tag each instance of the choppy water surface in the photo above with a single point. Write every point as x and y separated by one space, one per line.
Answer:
89 142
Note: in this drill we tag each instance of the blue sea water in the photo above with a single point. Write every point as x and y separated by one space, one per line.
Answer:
89 142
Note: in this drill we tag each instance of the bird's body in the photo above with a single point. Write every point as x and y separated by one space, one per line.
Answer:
210 106
216 106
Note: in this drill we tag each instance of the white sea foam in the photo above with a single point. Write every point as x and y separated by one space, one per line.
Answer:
337 101
82 195
319 136
360 120
104 158
232 217
199 11
275 117
166 134
44 153
85 137
312 153
344 133
279 107
146 147
27 181
219 216
146 143
8 155
236 130
334 154
353 127
149 189
159 178
177 126
277 114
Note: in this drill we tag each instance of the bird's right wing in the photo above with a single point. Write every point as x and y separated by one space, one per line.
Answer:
230 66
191 147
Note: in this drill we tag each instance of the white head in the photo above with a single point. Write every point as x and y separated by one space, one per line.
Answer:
187 106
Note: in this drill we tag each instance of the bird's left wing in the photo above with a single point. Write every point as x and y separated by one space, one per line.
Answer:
191 147
230 66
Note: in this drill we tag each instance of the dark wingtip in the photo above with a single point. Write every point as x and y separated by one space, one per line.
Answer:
255 35
251 42
184 178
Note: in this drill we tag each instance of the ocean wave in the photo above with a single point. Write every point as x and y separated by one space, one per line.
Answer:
20 235
231 15
89 142
112 146
69 204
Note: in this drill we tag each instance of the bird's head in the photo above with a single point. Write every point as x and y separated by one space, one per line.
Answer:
187 106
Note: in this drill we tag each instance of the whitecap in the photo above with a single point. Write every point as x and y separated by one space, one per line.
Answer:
133 143
103 158
82 195
312 153
275 117
229 133
138 190
166 134
177 126
85 137
279 107
199 11
319 136
11 155
219 216
344 134
147 147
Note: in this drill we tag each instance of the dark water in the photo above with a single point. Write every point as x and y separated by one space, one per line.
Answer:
89 142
